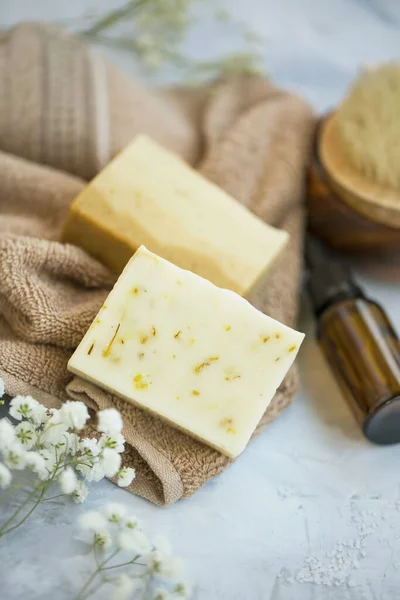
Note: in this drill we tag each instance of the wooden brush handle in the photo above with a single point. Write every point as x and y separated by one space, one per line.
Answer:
340 226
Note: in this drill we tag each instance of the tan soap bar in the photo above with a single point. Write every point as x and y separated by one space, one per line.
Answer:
199 356
149 196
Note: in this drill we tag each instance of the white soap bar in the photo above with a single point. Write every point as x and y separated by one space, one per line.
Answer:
149 196
199 356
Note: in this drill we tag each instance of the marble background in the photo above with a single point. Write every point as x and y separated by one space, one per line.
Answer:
311 481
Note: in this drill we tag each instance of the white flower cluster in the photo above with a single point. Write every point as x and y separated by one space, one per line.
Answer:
146 564
161 28
47 442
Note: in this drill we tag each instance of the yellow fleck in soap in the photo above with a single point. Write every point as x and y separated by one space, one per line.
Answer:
147 195
216 389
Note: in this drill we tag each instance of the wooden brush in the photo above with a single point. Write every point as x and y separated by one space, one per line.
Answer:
354 193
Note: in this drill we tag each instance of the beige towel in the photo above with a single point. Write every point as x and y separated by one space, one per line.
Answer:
64 112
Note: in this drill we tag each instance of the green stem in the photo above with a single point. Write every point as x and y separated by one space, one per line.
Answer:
129 562
98 585
93 590
96 558
16 513
54 497
119 42
34 507
111 18
83 594
43 486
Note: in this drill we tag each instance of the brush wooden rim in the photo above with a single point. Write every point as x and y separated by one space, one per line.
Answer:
371 200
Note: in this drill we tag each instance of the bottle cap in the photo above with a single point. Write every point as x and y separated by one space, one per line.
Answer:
382 426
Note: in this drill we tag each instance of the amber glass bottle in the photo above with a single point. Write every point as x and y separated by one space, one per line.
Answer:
360 345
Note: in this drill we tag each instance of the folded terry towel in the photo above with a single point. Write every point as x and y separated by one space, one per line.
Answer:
64 113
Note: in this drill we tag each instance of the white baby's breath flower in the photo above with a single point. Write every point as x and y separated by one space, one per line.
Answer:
42 415
93 533
72 443
164 565
84 468
93 521
26 434
49 462
134 541
66 444
125 476
38 414
125 541
183 589
91 471
111 527
80 492
74 414
2 388
5 477
114 512
110 462
15 458
37 464
102 539
7 434
54 429
116 442
126 587
95 530
67 480
28 408
109 421
89 447
132 523
173 567
21 406
161 544
161 594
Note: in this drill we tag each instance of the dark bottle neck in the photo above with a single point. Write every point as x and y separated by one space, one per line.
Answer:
332 296
328 280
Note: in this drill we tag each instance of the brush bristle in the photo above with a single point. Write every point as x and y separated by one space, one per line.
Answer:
369 125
